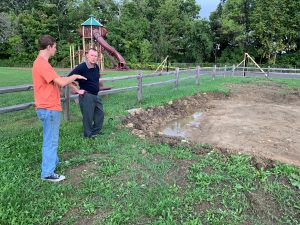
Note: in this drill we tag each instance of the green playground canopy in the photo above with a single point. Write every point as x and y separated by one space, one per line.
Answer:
92 22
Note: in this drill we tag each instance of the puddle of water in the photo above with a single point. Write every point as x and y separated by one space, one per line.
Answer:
180 127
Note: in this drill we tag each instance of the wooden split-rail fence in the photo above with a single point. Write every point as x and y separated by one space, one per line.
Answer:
188 74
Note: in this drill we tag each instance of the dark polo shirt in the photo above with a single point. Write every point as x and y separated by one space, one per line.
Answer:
92 74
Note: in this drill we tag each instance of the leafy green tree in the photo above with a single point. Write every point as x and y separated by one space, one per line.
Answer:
48 17
30 26
171 26
199 42
145 51
6 32
16 6
217 33
152 30
235 22
5 26
127 30
231 25
275 27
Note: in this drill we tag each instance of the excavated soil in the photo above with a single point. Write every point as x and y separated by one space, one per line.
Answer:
262 120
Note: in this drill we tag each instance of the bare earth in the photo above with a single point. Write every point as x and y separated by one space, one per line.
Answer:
260 120
256 120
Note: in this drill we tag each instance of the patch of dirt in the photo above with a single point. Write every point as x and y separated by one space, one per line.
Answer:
202 207
178 142
178 173
262 120
262 163
208 170
68 154
147 121
82 219
264 206
76 174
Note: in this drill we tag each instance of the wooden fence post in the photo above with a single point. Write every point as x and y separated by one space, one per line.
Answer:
67 103
214 73
233 69
225 70
198 76
176 78
268 74
140 87
244 65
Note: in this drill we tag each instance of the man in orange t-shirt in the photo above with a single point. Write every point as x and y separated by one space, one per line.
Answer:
46 84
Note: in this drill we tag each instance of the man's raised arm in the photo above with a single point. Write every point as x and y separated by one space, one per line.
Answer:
63 81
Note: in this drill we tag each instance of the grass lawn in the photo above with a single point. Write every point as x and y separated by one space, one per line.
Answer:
110 179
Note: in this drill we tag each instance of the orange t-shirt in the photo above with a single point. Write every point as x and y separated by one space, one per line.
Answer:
46 92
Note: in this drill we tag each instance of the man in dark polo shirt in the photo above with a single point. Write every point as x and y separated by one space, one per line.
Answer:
90 103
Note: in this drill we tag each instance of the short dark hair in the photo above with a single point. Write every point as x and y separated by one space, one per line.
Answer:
91 49
46 40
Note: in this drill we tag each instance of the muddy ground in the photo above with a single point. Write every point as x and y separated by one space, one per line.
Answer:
262 120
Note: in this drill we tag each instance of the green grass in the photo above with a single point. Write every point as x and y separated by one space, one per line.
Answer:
111 182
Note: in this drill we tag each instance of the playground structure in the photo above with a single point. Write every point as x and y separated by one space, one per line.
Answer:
92 33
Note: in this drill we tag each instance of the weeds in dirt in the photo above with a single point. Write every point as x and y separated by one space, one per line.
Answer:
119 178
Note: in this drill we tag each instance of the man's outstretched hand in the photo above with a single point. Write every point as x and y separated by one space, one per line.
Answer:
80 92
79 77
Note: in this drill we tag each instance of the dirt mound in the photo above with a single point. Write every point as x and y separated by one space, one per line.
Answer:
261 120
149 120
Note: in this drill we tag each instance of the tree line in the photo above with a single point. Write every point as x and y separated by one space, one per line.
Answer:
146 31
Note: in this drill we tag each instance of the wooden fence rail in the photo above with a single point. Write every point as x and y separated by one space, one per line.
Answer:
189 74
9 89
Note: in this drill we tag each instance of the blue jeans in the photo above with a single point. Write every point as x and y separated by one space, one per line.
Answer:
51 123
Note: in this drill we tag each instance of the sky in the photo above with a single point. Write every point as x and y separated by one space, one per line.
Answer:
207 6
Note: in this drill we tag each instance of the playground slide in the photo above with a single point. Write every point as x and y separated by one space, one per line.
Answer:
110 49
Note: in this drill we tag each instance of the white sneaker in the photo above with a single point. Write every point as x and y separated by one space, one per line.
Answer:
54 177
